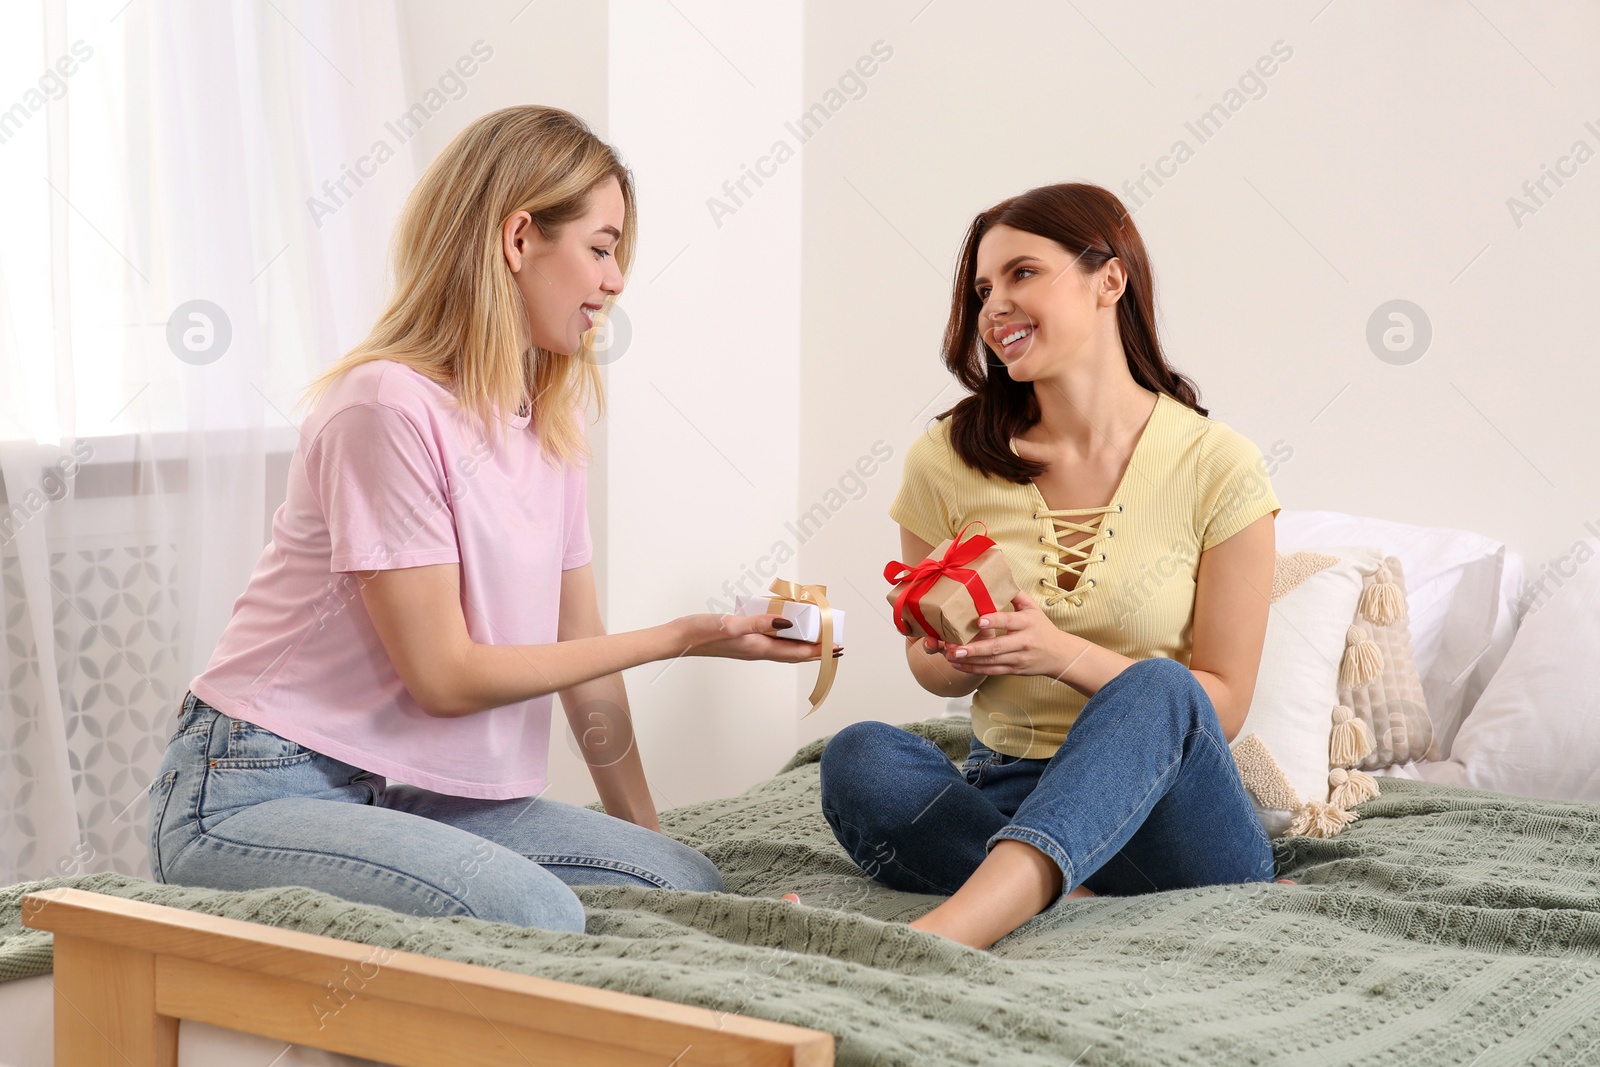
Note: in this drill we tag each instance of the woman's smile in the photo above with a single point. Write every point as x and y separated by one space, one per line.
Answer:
1013 338
1015 341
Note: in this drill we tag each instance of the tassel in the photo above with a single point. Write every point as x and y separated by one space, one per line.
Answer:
1381 602
1317 819
1347 788
1351 741
1362 660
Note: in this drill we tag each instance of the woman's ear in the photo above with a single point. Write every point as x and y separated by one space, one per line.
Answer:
515 239
1112 283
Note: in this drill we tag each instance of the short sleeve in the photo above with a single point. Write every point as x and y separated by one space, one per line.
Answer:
923 504
577 549
1235 489
382 491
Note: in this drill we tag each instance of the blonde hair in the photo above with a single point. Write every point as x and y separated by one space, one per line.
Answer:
456 316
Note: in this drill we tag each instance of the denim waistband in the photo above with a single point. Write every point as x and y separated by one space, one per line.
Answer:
192 707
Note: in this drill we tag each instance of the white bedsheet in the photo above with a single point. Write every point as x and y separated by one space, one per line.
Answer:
27 1013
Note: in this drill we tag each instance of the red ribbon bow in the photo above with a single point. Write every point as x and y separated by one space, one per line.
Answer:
921 578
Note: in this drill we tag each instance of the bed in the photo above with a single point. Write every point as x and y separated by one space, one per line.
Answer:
1447 925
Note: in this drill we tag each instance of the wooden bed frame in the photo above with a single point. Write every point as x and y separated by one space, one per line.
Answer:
126 971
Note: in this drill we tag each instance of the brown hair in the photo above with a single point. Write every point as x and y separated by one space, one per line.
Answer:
456 316
1092 224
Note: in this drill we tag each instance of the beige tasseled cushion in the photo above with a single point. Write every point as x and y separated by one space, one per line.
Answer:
1289 571
1337 737
1261 775
1392 703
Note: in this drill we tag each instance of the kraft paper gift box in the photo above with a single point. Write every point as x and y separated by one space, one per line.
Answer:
946 594
807 617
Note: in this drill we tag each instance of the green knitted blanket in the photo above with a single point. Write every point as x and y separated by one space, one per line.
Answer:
1445 926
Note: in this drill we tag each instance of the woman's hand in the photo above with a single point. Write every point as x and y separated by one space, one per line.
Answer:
747 637
1031 644
933 646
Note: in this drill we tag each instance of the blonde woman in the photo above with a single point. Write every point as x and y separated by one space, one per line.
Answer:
428 583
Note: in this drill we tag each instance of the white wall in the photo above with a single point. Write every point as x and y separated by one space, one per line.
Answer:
704 430
773 351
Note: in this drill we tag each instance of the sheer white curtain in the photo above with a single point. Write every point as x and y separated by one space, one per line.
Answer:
155 154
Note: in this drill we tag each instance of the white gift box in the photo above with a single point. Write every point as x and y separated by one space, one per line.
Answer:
807 618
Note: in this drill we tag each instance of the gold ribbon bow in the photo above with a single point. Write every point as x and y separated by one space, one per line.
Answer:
818 595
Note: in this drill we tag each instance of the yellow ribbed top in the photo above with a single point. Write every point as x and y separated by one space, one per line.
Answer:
1190 483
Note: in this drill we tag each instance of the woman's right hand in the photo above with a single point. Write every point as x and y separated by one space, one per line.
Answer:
747 637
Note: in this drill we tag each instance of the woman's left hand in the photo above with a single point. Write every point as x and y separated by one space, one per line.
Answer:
1031 644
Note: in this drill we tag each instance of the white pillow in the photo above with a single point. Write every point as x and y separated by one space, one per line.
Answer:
1536 729
1461 592
1297 686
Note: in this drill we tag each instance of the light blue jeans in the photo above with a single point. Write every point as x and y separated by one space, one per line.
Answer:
235 806
1142 796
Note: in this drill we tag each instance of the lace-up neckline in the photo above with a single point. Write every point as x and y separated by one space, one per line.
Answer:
1085 551
1059 521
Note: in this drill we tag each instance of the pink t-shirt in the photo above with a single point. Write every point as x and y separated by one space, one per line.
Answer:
389 473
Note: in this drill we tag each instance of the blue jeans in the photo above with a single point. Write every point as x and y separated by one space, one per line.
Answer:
235 806
1142 796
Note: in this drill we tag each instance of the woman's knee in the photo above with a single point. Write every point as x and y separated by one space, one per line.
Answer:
1161 669
682 867
851 754
517 895
856 740
1183 694
637 857
558 910
877 781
